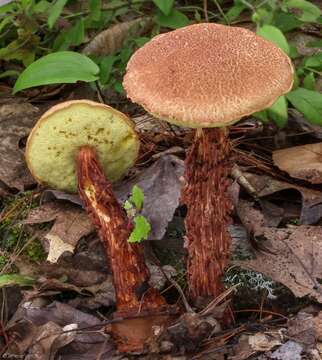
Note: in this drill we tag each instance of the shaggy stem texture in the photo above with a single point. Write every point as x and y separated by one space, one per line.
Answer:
205 194
130 274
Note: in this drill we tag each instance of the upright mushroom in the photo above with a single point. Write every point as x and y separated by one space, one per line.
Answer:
79 144
207 76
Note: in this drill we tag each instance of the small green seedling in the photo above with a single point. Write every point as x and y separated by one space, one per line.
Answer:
133 206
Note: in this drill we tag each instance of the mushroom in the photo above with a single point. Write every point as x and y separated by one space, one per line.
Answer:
79 144
207 76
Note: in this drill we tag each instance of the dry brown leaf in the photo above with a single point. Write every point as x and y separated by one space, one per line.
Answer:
71 223
311 210
111 40
295 260
16 120
301 162
264 341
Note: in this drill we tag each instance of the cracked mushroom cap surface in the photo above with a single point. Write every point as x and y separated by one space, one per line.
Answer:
55 139
207 75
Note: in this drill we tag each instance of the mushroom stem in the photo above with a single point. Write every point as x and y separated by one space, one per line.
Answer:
134 295
205 194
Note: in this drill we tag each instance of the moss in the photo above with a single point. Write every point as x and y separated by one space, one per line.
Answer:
35 251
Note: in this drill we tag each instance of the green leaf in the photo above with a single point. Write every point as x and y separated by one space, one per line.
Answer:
278 112
174 20
314 43
309 81
262 115
308 102
95 7
309 11
286 21
57 68
55 11
164 5
141 229
137 197
106 67
275 35
314 61
77 33
41 7
9 73
235 11
15 279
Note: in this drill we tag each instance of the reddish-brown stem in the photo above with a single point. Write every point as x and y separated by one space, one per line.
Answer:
205 194
134 295
130 273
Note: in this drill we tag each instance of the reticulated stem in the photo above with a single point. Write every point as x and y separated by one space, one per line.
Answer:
130 274
205 193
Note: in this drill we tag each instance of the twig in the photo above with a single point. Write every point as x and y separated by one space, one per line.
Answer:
205 10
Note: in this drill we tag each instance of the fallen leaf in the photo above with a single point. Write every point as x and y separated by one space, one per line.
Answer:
301 162
295 259
71 223
291 350
161 184
302 329
311 210
16 120
264 342
49 339
112 39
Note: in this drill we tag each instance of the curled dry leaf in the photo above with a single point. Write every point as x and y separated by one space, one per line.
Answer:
311 210
16 120
301 162
295 259
71 223
111 40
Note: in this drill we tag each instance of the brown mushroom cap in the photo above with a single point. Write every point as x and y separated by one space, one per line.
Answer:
54 141
207 75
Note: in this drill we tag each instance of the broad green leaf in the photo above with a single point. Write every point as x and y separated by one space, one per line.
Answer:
41 7
235 11
262 115
309 11
77 33
95 7
278 112
314 43
137 197
106 67
55 11
275 35
164 5
11 5
140 41
309 81
174 20
286 21
16 279
308 102
141 229
314 61
57 68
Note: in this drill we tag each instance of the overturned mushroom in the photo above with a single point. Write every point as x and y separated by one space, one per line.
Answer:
79 144
207 76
